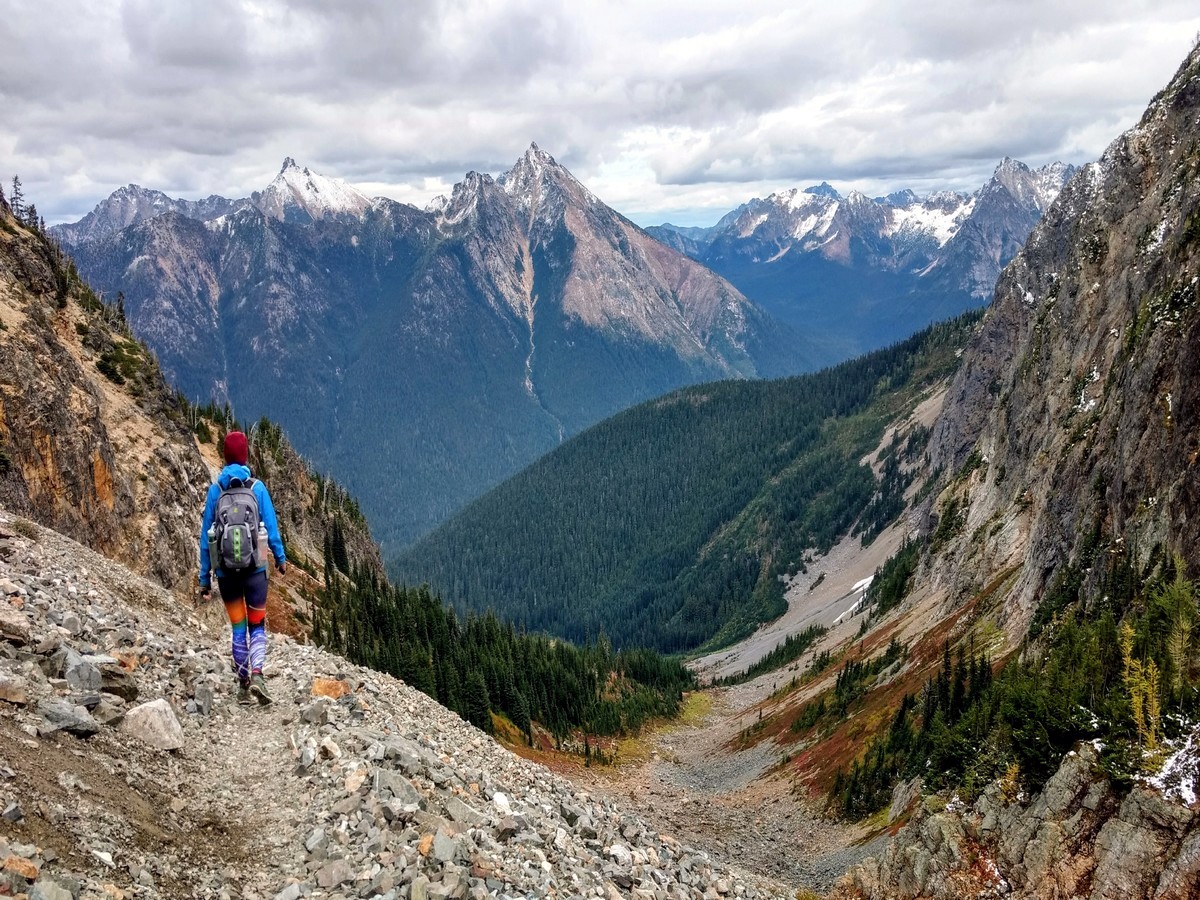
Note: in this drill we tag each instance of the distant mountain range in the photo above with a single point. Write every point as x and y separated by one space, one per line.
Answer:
420 355
857 273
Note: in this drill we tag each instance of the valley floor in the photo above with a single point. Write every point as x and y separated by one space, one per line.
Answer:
691 783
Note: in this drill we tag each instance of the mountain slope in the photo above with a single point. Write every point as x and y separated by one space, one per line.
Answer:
673 524
94 444
422 356
857 273
1029 661
360 784
1081 389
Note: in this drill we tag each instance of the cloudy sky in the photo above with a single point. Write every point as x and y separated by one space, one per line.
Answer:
672 111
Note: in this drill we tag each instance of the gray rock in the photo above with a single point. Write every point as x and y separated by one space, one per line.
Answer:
291 892
315 713
46 888
154 723
619 854
445 846
462 812
205 697
59 715
107 712
317 840
904 794
388 783
81 674
334 873
115 680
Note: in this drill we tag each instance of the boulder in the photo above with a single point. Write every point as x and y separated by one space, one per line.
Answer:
14 626
154 723
59 715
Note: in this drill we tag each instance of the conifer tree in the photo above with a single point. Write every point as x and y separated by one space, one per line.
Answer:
16 200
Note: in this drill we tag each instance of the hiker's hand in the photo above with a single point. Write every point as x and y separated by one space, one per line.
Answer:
281 568
205 594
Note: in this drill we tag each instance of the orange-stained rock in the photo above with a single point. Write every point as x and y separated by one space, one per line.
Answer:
22 867
425 845
333 688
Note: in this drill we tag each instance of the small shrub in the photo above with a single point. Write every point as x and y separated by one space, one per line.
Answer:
26 529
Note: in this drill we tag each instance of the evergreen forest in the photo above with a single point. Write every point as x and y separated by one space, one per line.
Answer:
675 524
1117 667
480 667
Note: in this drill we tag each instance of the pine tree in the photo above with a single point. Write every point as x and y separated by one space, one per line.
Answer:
478 705
16 200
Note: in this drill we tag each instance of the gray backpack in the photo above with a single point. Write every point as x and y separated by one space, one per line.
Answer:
237 527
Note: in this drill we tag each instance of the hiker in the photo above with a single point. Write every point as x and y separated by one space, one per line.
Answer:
238 531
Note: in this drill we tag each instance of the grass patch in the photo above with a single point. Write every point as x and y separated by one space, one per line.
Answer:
26 529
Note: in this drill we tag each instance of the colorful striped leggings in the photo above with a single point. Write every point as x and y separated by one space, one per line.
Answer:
245 598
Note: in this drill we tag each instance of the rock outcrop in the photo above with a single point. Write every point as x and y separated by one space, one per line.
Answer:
1077 838
105 462
1073 417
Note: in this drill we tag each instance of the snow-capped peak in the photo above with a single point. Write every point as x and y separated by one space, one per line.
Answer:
299 194
529 170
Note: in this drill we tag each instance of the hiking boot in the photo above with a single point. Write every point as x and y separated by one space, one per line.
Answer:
258 687
243 693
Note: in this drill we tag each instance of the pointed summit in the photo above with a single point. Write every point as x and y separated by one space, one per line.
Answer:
301 196
537 176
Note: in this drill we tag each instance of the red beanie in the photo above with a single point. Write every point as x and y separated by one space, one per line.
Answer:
235 448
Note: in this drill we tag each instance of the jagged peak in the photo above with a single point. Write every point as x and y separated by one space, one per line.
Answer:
534 165
824 189
315 195
903 197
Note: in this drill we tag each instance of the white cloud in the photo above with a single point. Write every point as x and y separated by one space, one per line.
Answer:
667 109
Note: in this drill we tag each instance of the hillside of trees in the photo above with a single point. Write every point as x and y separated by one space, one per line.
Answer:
479 666
673 524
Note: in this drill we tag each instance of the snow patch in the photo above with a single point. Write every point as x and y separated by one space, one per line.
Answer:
936 218
1177 780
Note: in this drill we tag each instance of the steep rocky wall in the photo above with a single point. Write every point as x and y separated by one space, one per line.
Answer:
1077 404
1077 838
110 459
101 462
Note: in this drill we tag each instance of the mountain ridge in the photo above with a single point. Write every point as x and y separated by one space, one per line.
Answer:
463 341
894 263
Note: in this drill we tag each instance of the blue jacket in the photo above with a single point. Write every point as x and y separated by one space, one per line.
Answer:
266 512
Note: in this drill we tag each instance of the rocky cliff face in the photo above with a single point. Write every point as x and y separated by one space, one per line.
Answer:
1076 838
95 445
1080 395
103 462
1069 438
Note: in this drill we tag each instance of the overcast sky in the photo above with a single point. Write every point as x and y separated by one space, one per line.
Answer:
668 111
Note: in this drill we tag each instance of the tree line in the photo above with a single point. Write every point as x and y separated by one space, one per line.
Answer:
480 667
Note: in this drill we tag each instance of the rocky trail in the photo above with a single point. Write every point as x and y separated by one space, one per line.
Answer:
127 769
692 786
